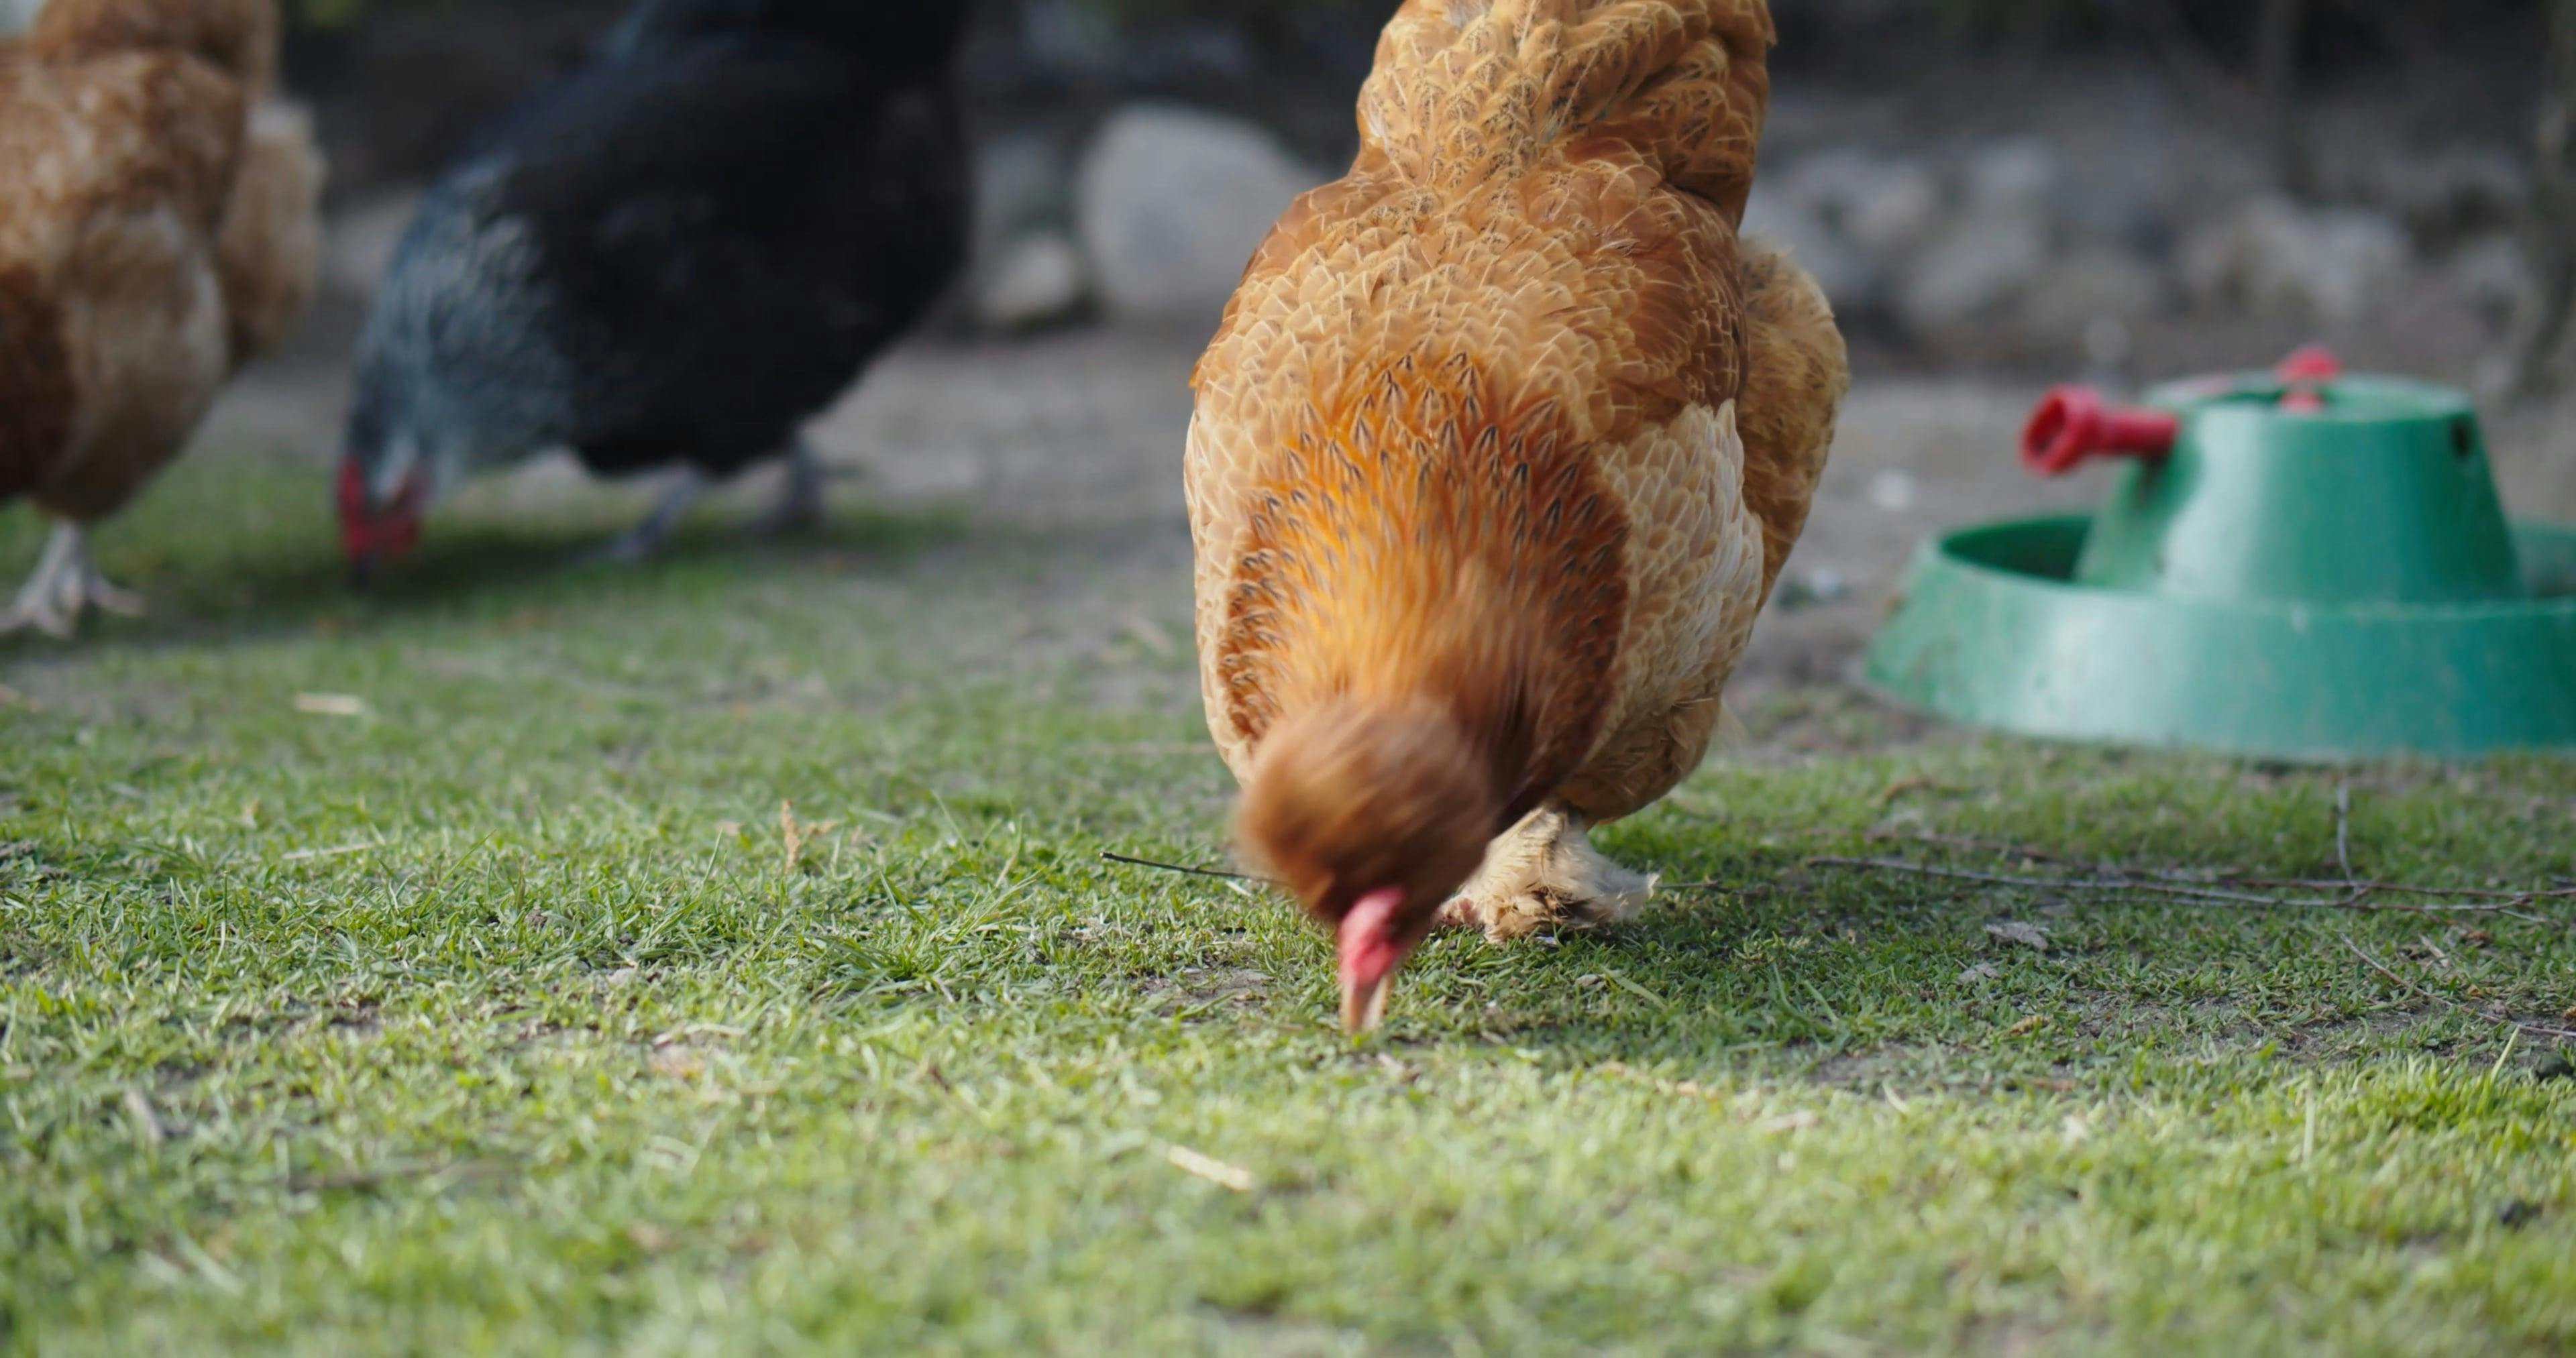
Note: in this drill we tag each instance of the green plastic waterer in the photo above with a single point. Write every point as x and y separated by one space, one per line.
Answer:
2295 565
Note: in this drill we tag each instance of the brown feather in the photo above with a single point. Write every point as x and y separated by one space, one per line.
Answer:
35 381
1505 434
236 37
123 125
269 251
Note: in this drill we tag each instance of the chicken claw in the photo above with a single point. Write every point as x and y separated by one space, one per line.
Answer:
64 588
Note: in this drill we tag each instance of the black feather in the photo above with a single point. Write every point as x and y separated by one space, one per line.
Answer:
680 253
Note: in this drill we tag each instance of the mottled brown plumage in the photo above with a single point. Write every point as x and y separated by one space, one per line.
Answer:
1497 453
136 270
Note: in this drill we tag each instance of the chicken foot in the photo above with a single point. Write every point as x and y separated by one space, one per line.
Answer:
64 587
646 540
1545 873
800 504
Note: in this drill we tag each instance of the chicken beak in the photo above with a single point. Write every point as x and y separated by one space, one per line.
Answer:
1364 1004
1372 947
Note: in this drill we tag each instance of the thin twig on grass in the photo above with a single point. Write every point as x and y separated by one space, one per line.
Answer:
1993 846
2528 1029
1134 862
2356 901
2235 879
1715 884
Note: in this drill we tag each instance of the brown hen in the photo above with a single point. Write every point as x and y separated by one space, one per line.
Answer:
159 229
1498 452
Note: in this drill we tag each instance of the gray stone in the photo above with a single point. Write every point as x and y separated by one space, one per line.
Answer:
2093 283
2493 274
1171 204
2017 176
359 244
1037 280
1980 264
1852 280
2273 257
1887 208
2446 195
1898 215
1023 184
1994 252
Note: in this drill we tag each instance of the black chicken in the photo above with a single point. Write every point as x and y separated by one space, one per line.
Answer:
674 257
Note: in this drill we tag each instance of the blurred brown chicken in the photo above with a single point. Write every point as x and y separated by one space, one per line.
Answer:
159 228
1498 452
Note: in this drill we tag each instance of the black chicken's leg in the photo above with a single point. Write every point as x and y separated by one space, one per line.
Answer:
647 539
800 504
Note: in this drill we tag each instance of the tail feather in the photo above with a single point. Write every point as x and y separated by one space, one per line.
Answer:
1796 373
269 253
1466 90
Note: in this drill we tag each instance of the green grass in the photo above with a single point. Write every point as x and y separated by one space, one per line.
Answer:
496 1017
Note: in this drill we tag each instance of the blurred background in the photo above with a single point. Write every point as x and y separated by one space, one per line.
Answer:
1980 183
1996 193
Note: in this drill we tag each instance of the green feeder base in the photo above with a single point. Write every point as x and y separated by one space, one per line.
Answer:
1994 632
2292 565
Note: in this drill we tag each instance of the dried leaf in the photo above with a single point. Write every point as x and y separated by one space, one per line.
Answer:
1684 1089
147 1122
679 1063
796 834
2027 1026
2017 931
307 855
1980 974
1902 787
1213 1170
330 705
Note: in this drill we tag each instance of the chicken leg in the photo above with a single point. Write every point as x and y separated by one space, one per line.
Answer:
1544 872
645 540
64 587
800 504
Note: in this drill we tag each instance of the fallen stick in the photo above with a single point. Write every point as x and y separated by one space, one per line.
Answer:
2214 880
2528 1029
2356 901
1134 862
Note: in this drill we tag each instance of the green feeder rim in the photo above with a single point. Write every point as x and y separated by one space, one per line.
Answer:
2298 564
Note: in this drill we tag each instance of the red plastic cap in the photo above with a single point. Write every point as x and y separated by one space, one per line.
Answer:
2302 373
2315 363
2074 424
